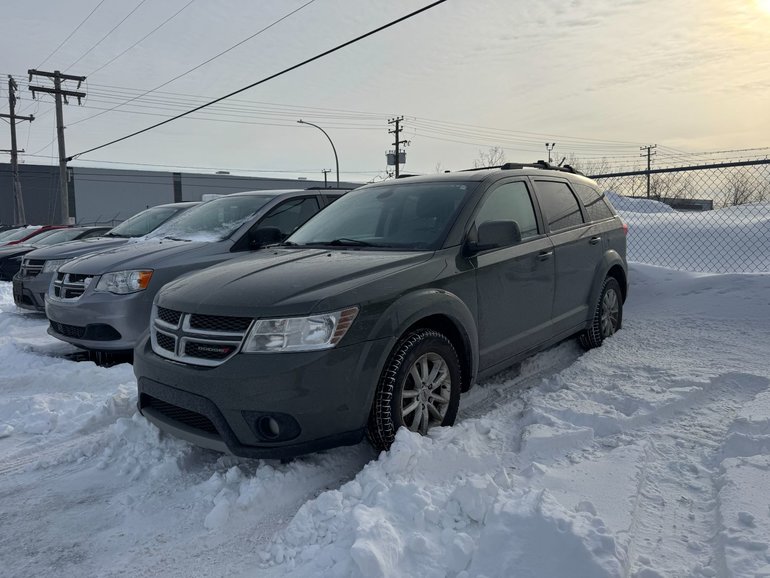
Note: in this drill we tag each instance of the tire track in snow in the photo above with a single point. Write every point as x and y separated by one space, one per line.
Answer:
675 519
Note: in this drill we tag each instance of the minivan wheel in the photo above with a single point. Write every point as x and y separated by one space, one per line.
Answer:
608 315
419 388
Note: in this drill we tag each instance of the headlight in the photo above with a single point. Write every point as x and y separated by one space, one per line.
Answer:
122 282
53 265
322 331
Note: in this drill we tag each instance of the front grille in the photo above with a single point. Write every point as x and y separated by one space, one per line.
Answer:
70 286
31 267
180 414
220 323
169 316
207 340
68 330
167 342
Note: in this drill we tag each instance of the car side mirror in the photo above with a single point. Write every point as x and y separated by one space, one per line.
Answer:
495 234
265 236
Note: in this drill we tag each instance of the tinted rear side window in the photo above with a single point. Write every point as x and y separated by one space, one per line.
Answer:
559 205
594 202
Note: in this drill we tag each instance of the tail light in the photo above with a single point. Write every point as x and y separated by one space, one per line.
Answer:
625 228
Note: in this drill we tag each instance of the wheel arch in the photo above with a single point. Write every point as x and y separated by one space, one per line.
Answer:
441 311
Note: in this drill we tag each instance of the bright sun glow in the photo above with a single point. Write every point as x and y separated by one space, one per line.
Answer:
764 5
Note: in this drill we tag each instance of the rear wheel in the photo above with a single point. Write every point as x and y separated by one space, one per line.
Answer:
608 315
419 388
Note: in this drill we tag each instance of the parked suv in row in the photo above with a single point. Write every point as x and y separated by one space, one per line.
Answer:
38 267
102 302
382 309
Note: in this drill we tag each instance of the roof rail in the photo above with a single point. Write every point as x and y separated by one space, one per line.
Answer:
541 164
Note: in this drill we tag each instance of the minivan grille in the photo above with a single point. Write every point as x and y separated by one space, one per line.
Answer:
31 267
69 286
207 340
68 330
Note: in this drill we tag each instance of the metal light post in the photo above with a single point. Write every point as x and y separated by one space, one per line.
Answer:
549 147
336 161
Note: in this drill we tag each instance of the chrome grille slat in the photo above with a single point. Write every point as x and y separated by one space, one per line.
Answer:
207 340
31 267
69 286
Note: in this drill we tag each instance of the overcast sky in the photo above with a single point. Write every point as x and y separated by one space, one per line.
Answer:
599 78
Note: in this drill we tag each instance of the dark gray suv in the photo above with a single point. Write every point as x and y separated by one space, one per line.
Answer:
382 309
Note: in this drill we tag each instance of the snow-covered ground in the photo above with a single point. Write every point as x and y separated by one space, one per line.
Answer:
648 457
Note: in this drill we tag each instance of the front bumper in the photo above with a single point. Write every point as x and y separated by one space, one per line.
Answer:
29 292
100 321
319 399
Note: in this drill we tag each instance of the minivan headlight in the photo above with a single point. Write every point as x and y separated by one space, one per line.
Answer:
53 264
311 333
123 282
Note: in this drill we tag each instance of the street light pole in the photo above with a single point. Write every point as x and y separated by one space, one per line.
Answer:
336 160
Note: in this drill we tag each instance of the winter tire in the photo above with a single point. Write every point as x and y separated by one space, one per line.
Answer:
419 388
608 315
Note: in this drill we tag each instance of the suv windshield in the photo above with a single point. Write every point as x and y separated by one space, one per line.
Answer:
142 223
399 216
214 220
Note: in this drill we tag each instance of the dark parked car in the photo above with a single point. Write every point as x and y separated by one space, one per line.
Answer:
102 302
38 266
11 256
382 309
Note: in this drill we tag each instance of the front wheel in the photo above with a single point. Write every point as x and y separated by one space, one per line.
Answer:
608 315
419 388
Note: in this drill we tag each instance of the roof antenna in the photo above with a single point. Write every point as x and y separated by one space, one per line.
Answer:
562 161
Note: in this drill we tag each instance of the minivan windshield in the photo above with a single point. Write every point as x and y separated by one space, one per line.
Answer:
19 234
56 236
143 223
400 216
214 220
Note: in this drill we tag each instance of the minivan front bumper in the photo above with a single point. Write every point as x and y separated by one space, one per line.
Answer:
316 400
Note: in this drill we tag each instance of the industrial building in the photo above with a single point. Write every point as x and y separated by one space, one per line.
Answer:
109 196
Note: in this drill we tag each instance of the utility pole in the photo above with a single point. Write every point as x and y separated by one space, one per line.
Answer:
397 143
549 147
649 154
19 218
59 95
325 172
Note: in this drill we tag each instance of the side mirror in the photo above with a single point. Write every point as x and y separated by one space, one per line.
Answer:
495 234
265 236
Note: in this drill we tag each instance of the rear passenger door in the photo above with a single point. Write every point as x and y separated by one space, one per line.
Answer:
514 284
577 252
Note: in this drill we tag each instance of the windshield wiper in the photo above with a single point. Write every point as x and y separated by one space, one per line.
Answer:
347 242
114 235
174 238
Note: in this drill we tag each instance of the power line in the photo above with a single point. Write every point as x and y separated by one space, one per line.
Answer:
268 78
103 38
143 38
201 64
70 34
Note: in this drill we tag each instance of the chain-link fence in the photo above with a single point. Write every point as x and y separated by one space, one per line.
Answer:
709 218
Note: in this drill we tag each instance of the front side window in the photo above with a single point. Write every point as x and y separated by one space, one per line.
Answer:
290 214
214 220
559 205
510 202
413 216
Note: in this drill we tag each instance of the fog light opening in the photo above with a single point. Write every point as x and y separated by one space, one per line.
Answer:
268 427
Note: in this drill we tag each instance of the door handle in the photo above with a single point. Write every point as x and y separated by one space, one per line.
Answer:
544 255
595 240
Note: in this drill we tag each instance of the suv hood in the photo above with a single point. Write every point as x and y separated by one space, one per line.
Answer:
72 249
148 254
284 281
